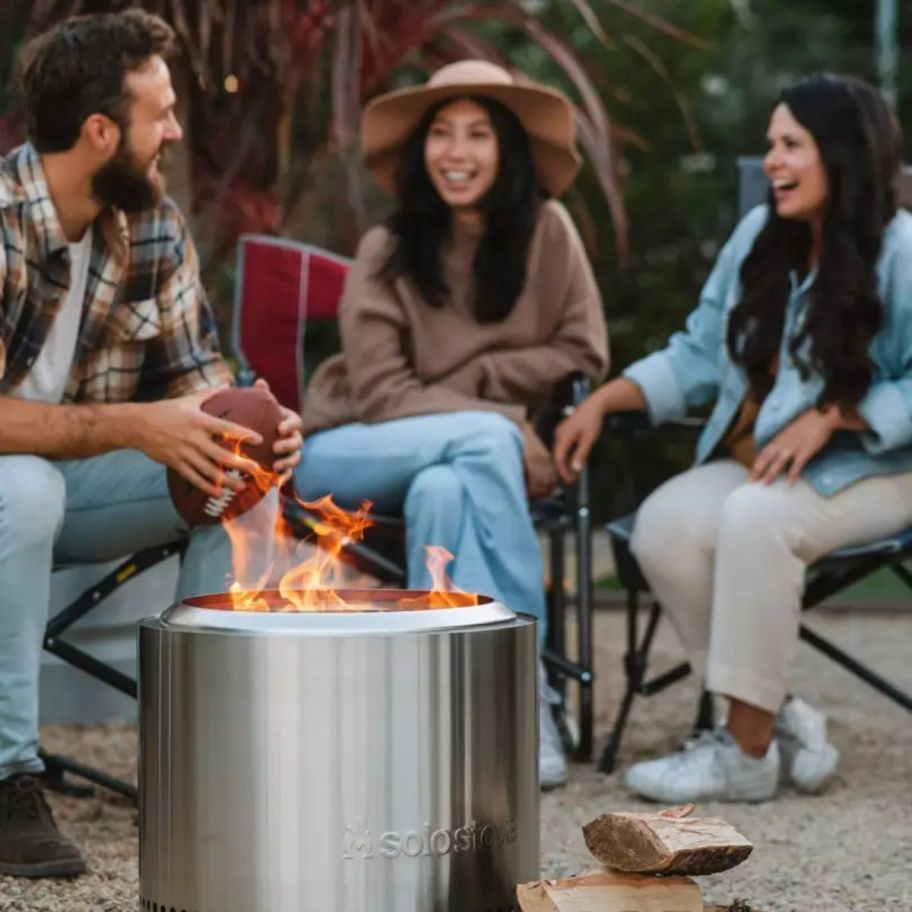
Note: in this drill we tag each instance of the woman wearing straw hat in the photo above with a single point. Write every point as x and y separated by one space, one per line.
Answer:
459 315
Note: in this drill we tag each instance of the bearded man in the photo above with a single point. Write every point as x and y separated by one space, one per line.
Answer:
107 351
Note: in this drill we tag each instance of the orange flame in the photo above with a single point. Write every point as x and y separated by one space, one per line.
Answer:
444 593
310 584
249 543
266 555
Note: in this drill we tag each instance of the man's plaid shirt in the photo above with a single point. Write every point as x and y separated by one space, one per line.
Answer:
146 332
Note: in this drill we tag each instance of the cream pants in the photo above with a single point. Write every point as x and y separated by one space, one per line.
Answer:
726 558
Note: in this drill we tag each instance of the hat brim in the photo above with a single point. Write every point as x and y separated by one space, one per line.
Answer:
546 116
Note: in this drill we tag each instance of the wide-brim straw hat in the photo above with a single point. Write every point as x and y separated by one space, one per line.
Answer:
546 115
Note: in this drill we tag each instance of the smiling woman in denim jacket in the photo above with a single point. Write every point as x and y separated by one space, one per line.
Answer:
803 337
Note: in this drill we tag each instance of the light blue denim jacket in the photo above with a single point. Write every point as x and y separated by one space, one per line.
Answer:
695 367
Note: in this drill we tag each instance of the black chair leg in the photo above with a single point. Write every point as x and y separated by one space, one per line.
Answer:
57 768
555 640
855 667
55 779
608 762
635 664
706 712
584 598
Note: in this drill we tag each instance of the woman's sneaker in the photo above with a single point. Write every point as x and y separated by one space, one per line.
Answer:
709 767
808 759
552 765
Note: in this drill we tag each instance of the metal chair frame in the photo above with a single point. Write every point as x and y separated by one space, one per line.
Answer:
56 766
827 577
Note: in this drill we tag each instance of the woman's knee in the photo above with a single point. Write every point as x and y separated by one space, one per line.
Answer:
32 498
489 434
682 515
437 490
661 526
750 510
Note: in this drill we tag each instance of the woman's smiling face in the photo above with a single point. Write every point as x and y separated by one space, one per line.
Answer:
461 154
795 169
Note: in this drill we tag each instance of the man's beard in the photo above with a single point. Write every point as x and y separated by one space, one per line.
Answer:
122 183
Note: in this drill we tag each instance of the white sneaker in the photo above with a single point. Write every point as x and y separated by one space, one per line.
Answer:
808 759
552 766
710 767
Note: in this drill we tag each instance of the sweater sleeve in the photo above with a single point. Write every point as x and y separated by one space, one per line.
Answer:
687 372
2 306
374 331
579 344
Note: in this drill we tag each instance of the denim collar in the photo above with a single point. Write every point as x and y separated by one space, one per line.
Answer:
800 288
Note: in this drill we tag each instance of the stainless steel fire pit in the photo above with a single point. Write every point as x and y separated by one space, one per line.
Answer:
378 758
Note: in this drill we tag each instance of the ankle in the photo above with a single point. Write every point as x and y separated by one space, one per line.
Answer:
750 727
750 745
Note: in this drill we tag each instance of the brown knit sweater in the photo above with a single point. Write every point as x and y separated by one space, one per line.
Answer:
402 357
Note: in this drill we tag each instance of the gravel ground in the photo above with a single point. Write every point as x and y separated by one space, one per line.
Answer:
848 849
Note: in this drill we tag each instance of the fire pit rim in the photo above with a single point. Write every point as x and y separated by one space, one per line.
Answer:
200 613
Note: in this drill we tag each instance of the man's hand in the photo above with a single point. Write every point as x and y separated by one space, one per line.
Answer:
288 445
179 434
574 438
795 445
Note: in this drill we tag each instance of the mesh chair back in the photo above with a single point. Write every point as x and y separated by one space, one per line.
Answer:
281 285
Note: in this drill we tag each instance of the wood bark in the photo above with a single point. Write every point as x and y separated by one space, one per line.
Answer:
611 891
665 843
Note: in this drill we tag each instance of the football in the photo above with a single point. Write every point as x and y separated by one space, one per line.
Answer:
251 408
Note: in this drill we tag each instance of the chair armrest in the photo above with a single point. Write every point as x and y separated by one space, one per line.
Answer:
566 394
628 424
245 377
580 388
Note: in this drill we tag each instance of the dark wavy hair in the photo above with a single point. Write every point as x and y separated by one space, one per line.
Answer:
860 146
78 68
422 221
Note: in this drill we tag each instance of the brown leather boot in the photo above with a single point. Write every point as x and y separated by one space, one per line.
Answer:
30 843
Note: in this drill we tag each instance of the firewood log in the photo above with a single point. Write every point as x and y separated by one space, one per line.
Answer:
610 891
669 842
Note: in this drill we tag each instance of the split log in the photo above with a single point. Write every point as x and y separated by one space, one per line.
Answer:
610 891
669 842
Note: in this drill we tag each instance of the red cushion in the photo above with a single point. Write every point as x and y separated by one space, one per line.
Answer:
281 286
325 281
270 316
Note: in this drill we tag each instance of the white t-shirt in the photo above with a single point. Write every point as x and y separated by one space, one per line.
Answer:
47 379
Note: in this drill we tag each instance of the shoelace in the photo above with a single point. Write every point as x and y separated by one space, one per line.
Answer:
713 738
24 795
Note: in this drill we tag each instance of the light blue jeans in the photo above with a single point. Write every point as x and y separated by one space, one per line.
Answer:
76 511
458 478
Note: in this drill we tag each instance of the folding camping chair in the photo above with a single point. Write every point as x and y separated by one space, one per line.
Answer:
827 577
58 767
283 289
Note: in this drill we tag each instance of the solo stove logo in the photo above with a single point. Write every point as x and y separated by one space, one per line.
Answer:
358 843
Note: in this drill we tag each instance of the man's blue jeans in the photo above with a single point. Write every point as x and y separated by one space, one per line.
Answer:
458 478
76 511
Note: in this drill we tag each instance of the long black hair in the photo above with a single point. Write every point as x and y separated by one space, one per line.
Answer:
422 221
860 146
